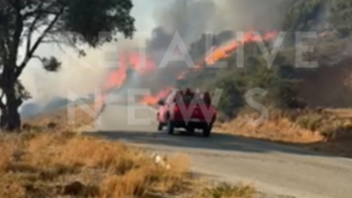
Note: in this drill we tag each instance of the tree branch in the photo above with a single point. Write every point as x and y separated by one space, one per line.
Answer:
30 53
3 51
52 39
32 27
38 57
40 10
16 36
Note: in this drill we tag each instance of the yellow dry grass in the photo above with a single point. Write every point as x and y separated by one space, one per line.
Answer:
225 190
59 120
48 160
328 130
275 130
67 164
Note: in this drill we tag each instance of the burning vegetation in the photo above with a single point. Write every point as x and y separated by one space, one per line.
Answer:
143 66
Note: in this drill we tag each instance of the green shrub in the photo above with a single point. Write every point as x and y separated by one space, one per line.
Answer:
332 128
310 121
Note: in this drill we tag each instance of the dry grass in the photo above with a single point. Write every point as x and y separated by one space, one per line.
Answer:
66 164
282 130
321 130
225 190
37 164
59 120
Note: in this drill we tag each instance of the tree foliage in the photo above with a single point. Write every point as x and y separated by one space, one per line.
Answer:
320 15
341 16
29 23
302 14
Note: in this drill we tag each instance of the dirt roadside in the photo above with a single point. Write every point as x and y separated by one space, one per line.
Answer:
284 131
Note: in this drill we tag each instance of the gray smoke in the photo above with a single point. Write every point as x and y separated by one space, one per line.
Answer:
191 18
252 14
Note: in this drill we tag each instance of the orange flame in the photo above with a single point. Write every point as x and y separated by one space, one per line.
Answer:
152 100
227 49
135 61
118 77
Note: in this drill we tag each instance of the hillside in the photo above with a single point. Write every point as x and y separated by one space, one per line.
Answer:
307 106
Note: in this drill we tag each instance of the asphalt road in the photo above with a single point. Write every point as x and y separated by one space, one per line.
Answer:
279 171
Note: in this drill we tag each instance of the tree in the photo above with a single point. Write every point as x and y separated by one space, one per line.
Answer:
341 16
320 15
301 14
68 22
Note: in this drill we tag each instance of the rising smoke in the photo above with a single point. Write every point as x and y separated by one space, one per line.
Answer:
78 76
191 18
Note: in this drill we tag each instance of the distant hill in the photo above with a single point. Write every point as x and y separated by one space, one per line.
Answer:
30 109
55 103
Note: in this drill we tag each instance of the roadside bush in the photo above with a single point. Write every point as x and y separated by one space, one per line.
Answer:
310 121
225 190
337 129
328 124
231 99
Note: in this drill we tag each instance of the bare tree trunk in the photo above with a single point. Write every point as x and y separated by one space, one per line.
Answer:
12 117
3 119
3 114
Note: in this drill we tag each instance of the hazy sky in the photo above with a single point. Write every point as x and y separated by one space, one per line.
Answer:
144 12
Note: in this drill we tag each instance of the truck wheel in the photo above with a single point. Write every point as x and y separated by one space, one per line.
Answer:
190 130
170 127
207 130
160 126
